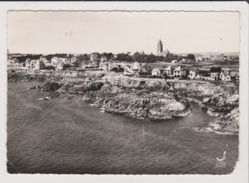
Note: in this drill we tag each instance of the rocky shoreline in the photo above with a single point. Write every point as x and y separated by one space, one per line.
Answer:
155 99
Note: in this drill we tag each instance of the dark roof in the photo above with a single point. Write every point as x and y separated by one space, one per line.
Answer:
215 69
204 72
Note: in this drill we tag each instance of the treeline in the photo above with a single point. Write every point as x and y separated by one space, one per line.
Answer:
145 58
127 57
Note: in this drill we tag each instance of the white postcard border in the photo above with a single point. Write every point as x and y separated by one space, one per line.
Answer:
240 173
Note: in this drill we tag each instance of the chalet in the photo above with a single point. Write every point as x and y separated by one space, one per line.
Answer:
199 58
180 72
169 71
43 59
111 65
55 60
27 63
193 73
215 72
39 65
156 72
225 76
16 60
103 65
10 62
49 66
203 73
145 69
234 75
32 64
229 75
60 66
136 66
73 60
66 61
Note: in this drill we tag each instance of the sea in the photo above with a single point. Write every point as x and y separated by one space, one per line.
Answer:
69 136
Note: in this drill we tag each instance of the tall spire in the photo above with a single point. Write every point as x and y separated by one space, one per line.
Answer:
159 47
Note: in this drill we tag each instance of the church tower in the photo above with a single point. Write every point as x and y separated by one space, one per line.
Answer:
159 47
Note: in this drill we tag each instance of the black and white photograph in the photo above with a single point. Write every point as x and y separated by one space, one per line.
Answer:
123 92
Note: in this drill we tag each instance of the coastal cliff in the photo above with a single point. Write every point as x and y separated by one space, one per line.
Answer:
155 98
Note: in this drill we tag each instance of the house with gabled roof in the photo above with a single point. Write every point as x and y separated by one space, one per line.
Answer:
203 73
156 72
234 75
180 72
215 72
193 73
136 66
169 71
225 75
229 75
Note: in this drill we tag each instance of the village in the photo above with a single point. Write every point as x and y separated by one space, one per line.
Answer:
73 67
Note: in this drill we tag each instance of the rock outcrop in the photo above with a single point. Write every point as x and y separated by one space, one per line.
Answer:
154 105
228 124
153 98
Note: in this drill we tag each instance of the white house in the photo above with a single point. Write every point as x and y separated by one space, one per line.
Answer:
223 75
32 64
136 66
103 65
60 66
199 58
65 61
27 63
156 72
10 62
180 72
55 60
42 58
194 73
40 65
234 75
169 71
229 75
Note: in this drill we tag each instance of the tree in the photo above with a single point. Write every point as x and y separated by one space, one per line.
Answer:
83 58
107 55
124 57
191 56
170 57
136 57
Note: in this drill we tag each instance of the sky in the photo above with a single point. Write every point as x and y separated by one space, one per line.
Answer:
46 32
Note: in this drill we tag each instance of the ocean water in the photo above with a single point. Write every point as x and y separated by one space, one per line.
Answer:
70 137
